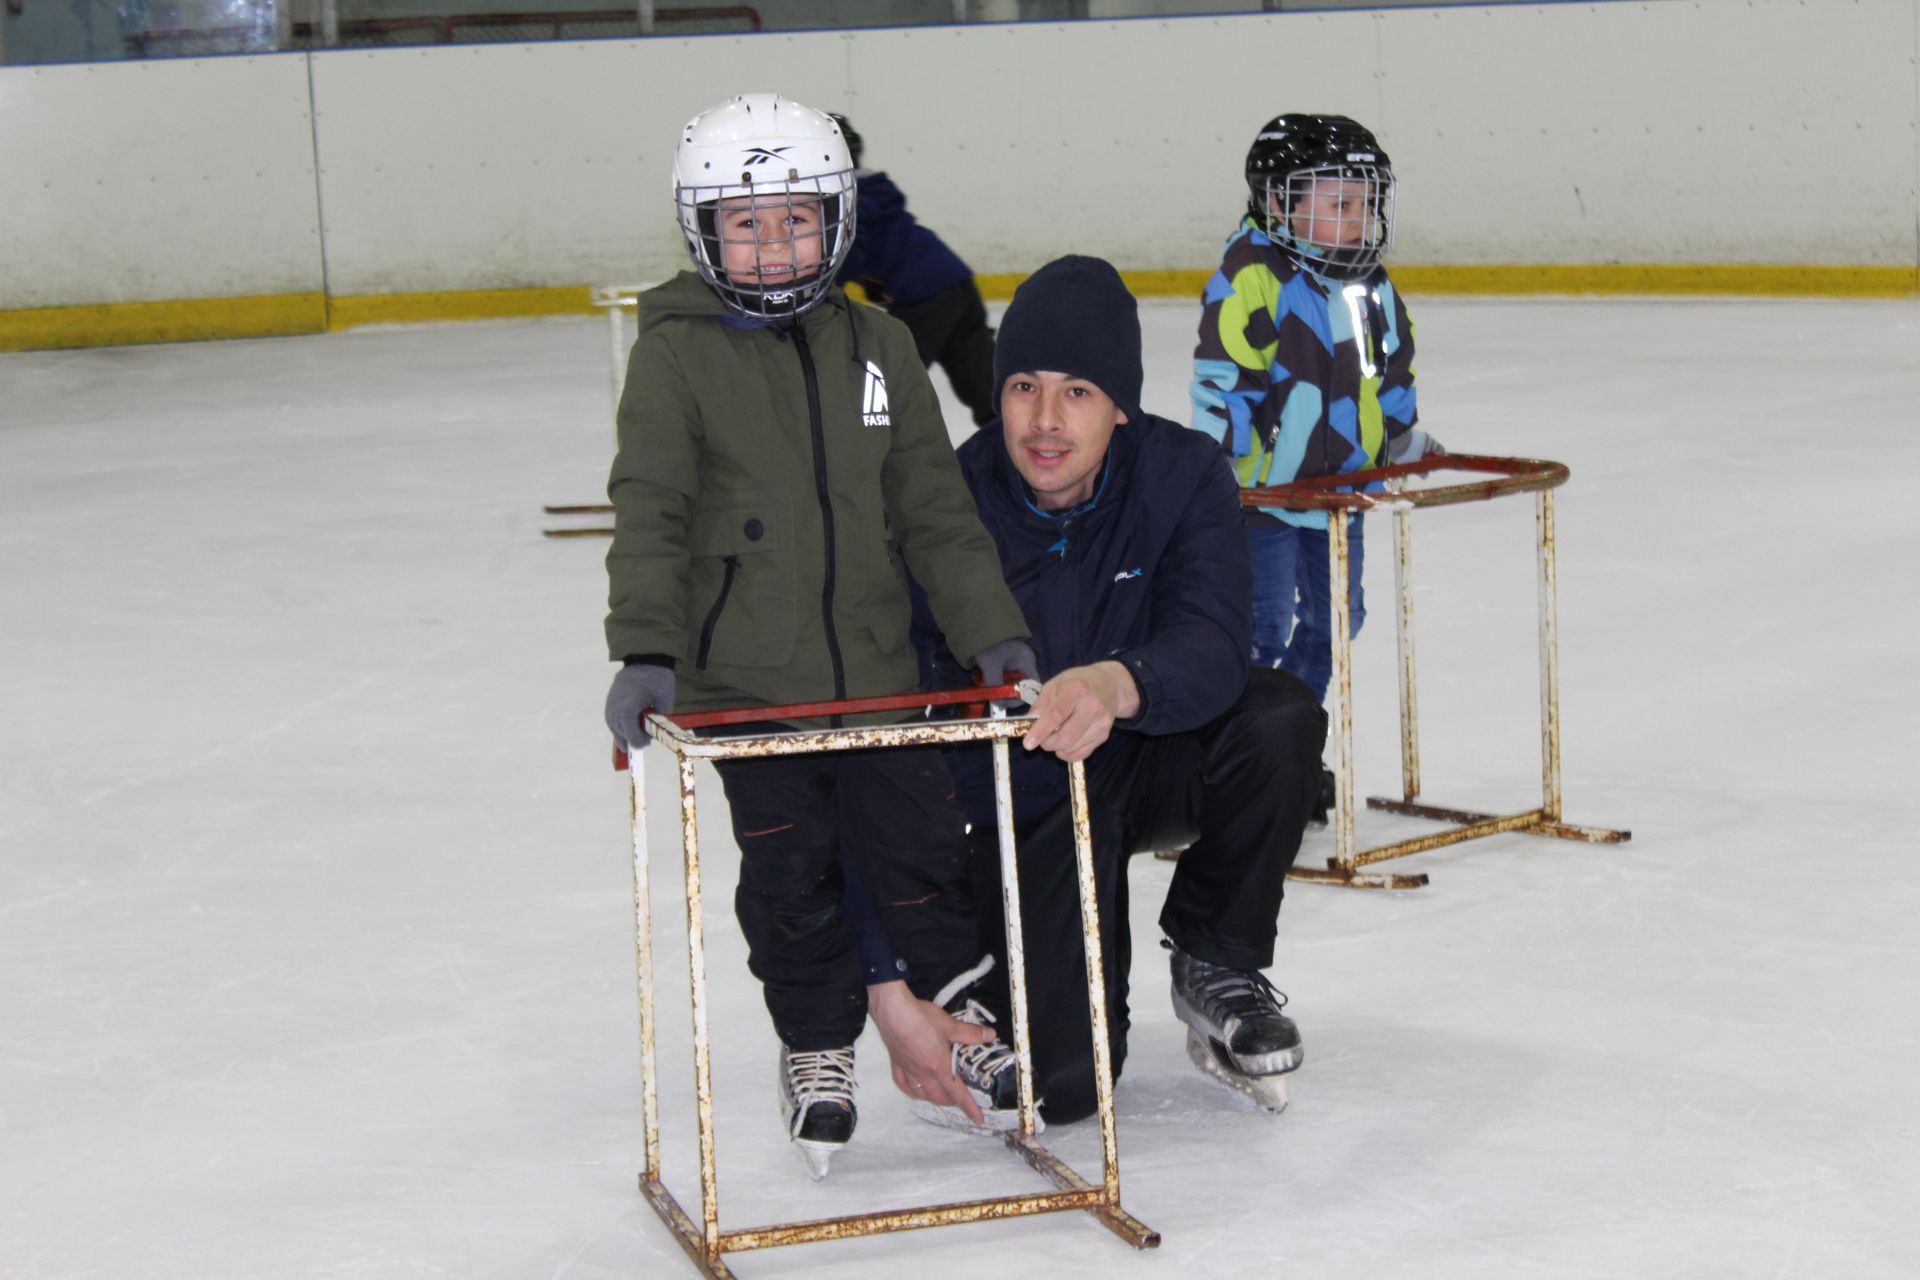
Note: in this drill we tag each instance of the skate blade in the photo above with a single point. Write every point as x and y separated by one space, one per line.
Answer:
949 1117
817 1156
1269 1093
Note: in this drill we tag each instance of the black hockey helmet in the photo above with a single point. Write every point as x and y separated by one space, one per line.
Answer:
855 143
1321 187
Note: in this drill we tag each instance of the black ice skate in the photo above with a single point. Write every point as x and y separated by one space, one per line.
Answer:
1323 800
1235 1031
990 1071
991 1074
816 1102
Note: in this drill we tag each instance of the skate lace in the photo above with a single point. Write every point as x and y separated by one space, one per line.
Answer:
1238 993
820 1075
979 1064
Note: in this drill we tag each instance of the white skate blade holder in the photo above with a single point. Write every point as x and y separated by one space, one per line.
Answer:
1269 1093
950 1117
817 1156
699 1233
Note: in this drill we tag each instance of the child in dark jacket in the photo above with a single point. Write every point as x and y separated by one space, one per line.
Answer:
782 457
911 272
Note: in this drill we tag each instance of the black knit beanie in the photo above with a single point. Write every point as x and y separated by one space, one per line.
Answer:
1073 316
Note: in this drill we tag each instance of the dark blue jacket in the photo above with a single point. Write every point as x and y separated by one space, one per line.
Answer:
1153 572
893 257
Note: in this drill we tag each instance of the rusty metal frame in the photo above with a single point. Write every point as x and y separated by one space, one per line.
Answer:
701 1237
1345 496
615 300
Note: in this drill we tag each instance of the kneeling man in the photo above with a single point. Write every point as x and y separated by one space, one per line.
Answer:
1120 536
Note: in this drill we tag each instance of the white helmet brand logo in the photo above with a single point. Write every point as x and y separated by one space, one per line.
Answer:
1361 155
762 155
873 403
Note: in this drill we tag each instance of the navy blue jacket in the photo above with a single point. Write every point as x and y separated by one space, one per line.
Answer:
1153 572
893 257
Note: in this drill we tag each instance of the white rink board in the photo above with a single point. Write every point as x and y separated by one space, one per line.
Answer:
1661 132
1116 138
156 180
1556 133
1672 131
506 166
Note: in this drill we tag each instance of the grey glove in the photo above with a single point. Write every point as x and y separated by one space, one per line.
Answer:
996 660
636 689
1413 446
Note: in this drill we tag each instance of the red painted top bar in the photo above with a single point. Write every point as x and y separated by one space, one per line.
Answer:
978 696
849 706
1337 493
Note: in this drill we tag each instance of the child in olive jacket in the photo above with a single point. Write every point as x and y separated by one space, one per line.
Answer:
782 462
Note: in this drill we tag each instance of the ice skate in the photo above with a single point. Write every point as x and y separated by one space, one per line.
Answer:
816 1103
1236 1033
991 1074
1323 800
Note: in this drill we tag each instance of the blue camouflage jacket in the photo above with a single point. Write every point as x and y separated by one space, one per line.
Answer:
1297 376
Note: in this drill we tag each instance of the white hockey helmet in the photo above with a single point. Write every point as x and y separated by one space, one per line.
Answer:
765 192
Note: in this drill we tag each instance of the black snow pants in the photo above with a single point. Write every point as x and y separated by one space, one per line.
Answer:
1240 788
891 813
950 330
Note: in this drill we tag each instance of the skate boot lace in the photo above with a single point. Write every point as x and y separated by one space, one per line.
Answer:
980 1064
1244 994
820 1075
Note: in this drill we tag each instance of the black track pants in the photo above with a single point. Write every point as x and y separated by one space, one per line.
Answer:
1240 789
892 814
950 330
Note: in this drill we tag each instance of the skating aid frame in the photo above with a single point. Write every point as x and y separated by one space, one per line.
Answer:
703 1240
616 300
1344 495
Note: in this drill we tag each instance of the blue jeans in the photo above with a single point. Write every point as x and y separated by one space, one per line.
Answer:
1292 599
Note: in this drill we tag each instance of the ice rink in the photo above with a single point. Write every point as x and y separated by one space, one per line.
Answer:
316 948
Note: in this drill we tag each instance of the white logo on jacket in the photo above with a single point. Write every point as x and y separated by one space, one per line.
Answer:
873 403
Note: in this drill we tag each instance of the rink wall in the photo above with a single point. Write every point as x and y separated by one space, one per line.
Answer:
1710 146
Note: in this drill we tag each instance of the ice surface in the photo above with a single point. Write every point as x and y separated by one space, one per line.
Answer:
315 914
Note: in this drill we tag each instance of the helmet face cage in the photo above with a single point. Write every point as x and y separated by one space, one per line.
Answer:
770 249
1337 219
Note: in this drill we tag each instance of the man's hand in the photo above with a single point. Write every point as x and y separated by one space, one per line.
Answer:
920 1036
1076 709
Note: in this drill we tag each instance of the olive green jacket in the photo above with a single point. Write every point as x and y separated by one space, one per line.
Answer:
770 480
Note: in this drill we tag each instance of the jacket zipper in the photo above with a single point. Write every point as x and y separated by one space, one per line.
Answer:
826 511
713 614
